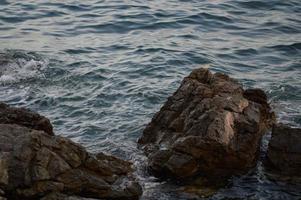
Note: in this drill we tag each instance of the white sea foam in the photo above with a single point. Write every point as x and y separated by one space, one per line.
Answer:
20 69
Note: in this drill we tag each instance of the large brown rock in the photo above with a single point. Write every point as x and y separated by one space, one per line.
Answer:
34 164
284 151
210 126
24 117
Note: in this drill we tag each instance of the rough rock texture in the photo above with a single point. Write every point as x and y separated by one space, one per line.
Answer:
284 152
209 126
60 196
37 165
24 117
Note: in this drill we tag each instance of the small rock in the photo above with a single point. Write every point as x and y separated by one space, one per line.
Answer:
284 151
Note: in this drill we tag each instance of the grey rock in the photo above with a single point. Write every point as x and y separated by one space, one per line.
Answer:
284 151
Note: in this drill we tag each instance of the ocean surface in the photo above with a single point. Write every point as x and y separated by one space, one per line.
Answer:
100 69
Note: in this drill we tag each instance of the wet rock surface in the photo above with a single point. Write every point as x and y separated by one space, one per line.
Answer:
35 165
284 151
210 126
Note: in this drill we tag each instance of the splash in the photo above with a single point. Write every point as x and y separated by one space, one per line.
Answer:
20 66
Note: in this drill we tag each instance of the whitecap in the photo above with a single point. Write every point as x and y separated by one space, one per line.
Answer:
14 70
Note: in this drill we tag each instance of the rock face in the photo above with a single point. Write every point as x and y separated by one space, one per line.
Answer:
24 117
209 126
284 152
37 165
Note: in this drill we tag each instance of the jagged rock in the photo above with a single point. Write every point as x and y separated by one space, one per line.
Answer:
209 126
34 164
284 151
24 117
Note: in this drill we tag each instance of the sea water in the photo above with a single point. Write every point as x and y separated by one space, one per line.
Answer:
101 69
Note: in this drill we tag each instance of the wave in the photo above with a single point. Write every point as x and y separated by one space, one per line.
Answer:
288 48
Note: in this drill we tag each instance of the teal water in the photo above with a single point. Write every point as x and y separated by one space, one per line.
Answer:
100 69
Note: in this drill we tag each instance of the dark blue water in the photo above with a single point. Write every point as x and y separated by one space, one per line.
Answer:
100 69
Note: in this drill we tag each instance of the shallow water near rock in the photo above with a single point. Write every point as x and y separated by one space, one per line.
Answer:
100 69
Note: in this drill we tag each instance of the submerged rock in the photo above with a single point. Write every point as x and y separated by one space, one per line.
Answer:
284 151
35 165
210 126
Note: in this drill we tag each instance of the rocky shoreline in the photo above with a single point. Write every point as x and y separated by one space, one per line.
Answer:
210 128
36 164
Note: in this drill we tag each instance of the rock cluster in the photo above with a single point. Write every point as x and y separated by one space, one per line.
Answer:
210 126
284 152
36 164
